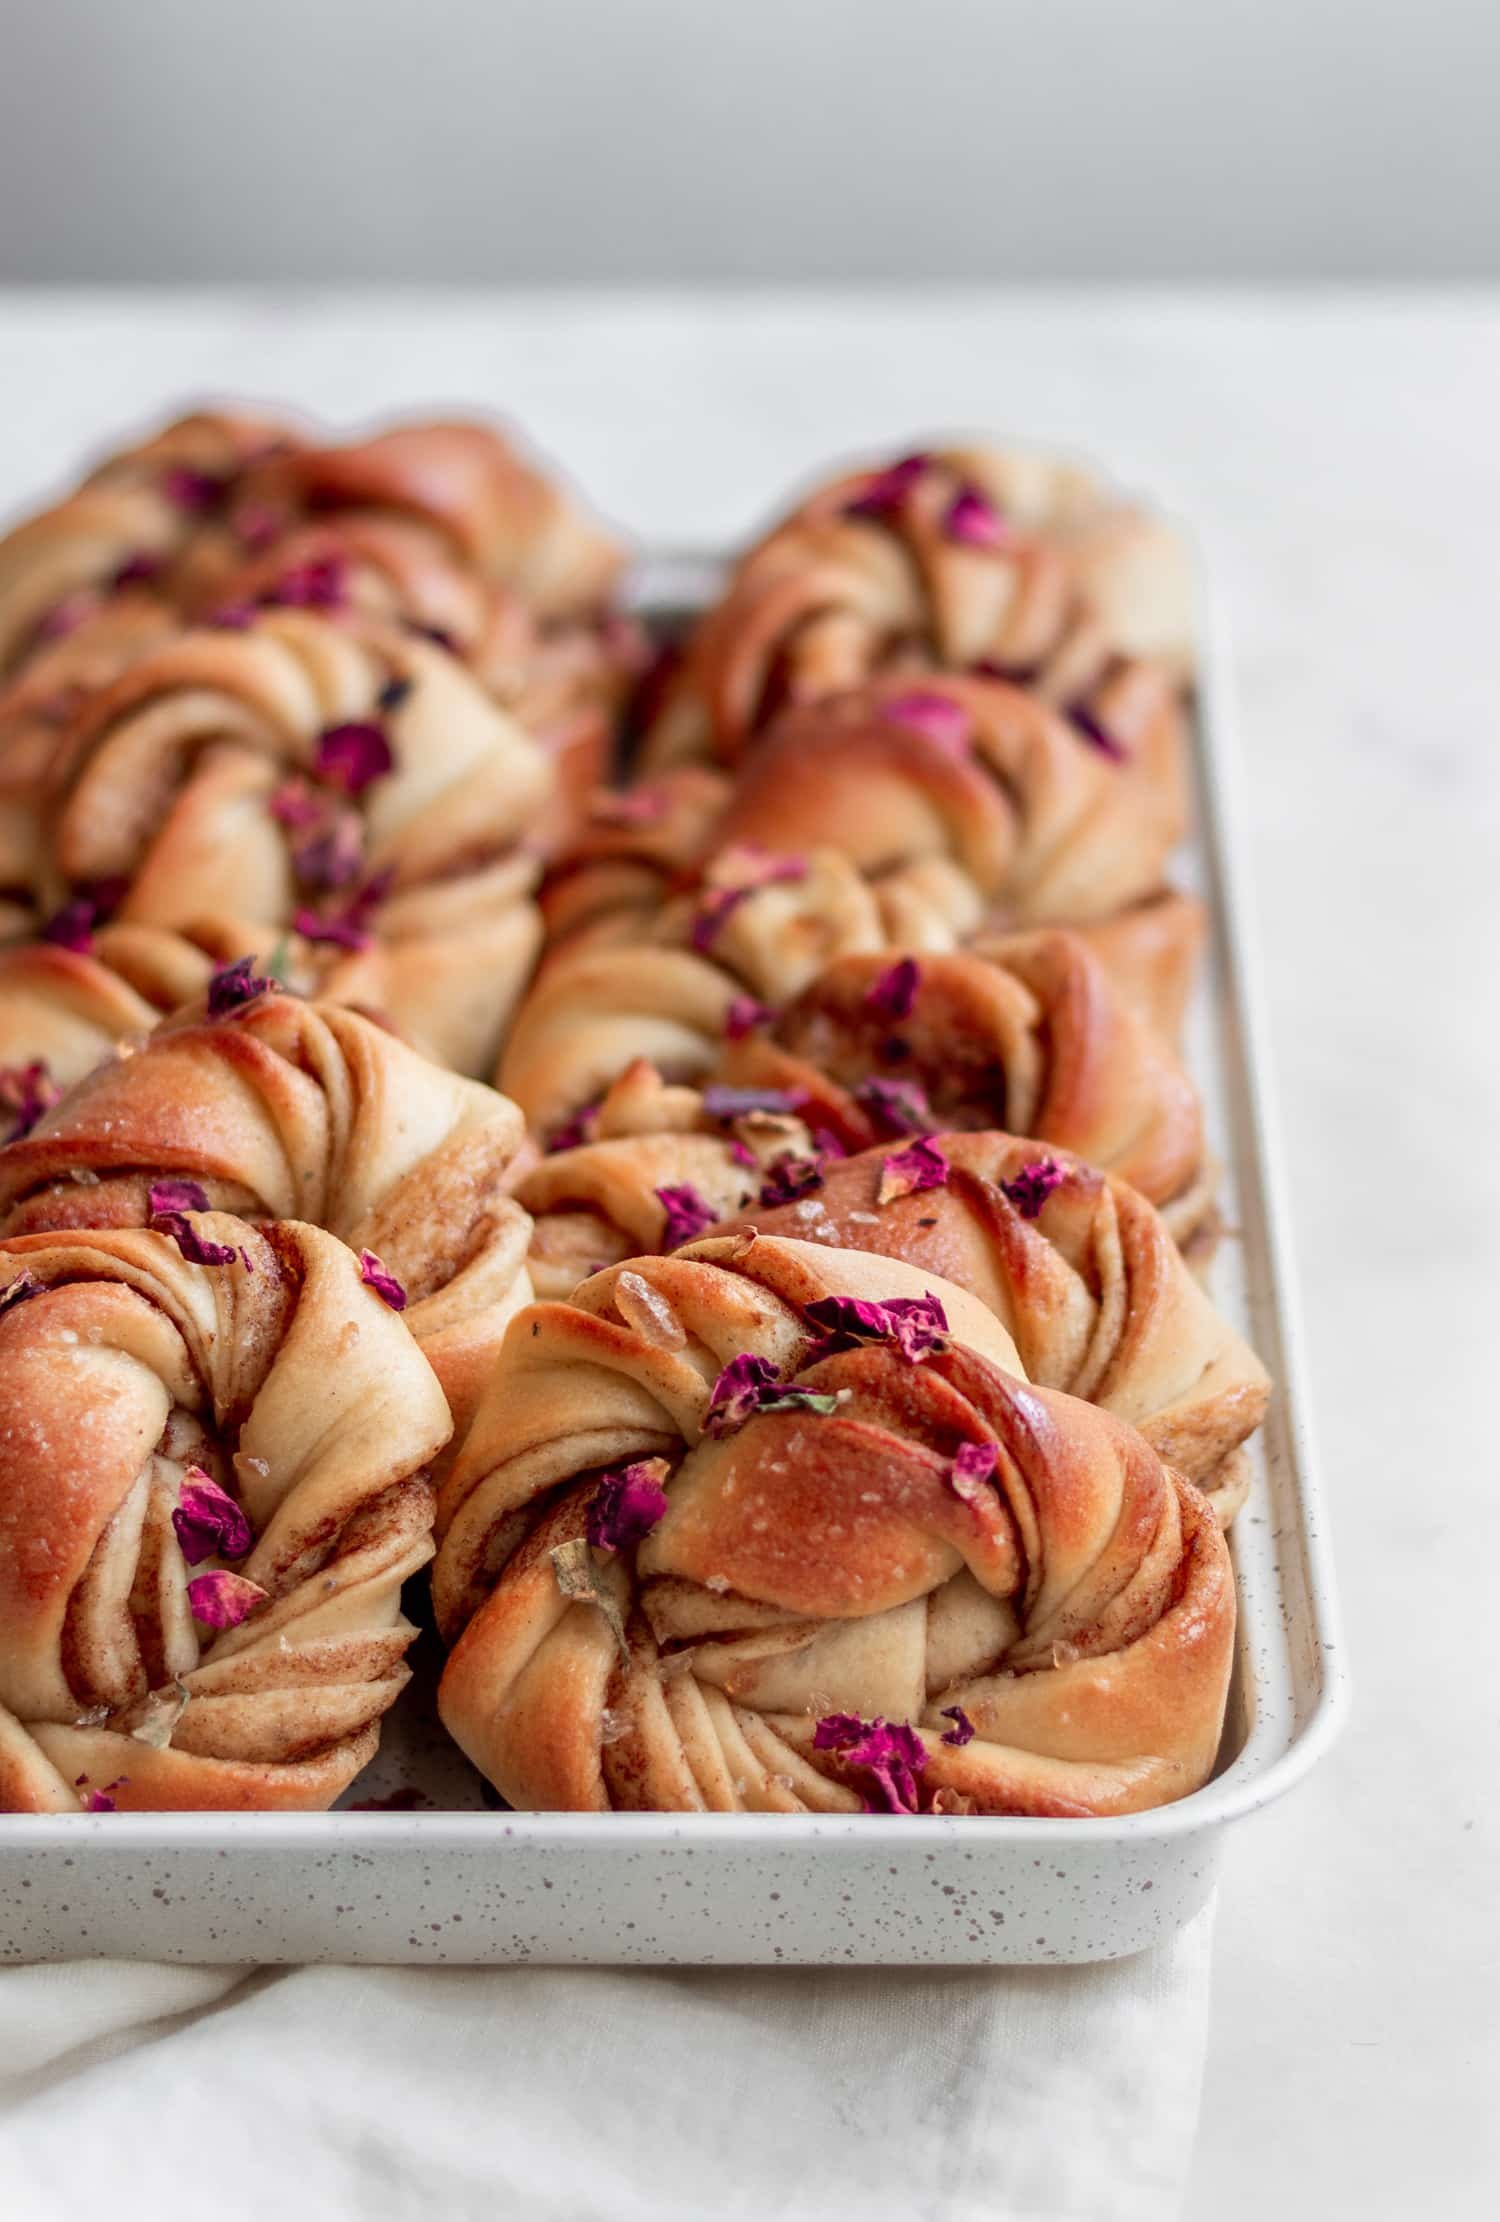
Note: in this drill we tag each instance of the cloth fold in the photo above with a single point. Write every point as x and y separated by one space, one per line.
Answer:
569 2094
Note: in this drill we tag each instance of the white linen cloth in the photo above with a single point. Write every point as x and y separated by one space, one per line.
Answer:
603 2095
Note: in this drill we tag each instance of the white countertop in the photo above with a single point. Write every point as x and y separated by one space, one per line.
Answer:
1339 455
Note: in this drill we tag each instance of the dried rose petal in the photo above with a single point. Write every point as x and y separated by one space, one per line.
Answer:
937 716
335 858
385 1284
18 1288
891 1753
827 1143
176 1195
574 1132
354 755
626 1506
294 803
223 1600
394 693
973 1467
744 1015
911 1171
72 927
348 928
192 490
232 617
687 1214
207 1521
788 1177
257 526
895 991
749 1385
1033 1185
742 1154
736 1103
1097 734
100 1801
972 519
194 1248
65 616
711 914
637 806
888 489
138 569
235 985
915 1325
901 1106
28 1091
962 1731
318 585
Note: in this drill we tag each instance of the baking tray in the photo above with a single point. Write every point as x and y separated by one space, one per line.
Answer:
457 1881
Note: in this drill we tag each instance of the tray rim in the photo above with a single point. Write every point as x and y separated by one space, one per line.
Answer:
1239 1790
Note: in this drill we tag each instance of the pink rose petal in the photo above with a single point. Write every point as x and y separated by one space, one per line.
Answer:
626 1506
207 1521
385 1284
223 1600
895 992
890 1753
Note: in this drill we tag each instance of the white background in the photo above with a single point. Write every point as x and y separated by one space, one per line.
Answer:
724 139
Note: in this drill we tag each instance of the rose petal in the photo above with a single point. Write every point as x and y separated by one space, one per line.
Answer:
749 1385
223 1600
972 519
318 585
626 1506
574 1132
914 1325
937 716
207 1521
194 491
789 1177
744 1015
895 991
1097 734
885 492
354 755
235 985
385 1284
962 1731
972 1470
28 1091
193 1246
901 1106
72 927
687 1214
176 1195
890 1752
911 1171
1033 1185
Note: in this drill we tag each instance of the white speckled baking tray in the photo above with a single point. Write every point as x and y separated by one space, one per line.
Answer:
455 1881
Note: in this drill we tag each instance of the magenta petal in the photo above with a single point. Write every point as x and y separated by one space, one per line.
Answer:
895 992
234 985
973 520
744 1015
687 1214
962 1731
28 1092
901 1106
176 1195
385 1284
624 1508
890 1752
1033 1185
789 1177
354 755
193 1246
223 1600
207 1521
914 1325
937 716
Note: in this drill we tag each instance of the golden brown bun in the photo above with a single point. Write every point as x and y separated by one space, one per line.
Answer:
1077 1605
302 1396
283 1109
